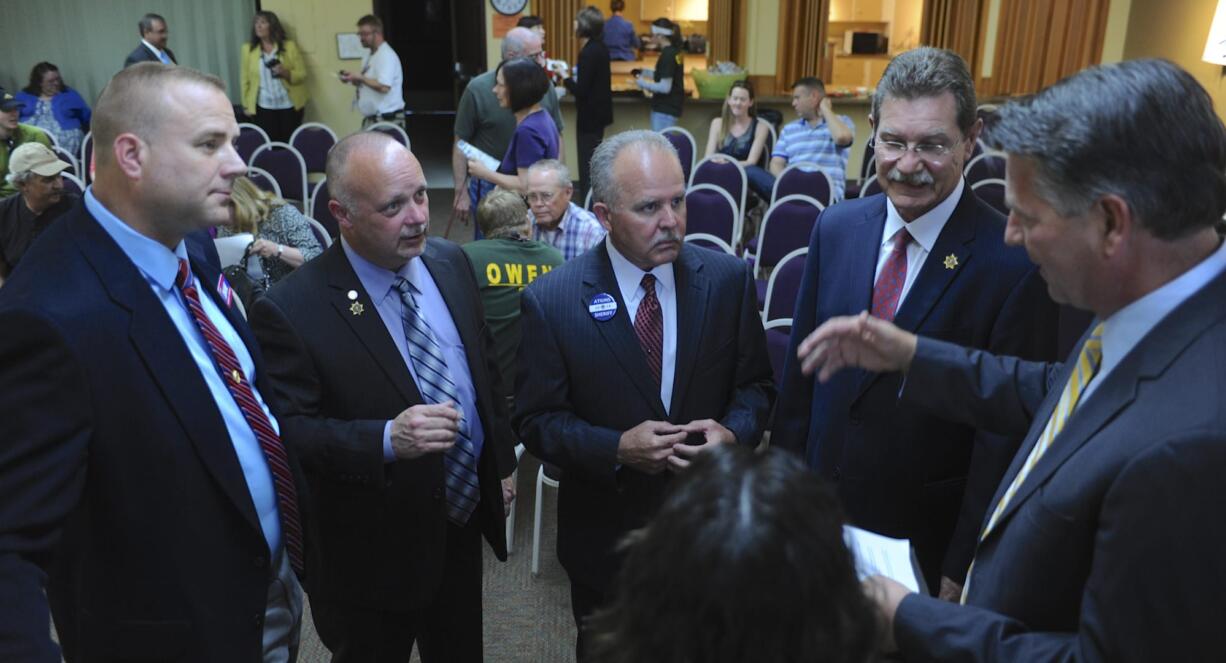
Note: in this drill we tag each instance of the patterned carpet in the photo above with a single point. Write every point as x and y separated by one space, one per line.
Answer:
527 619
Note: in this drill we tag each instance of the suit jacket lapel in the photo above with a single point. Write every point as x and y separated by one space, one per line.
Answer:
618 331
1147 360
692 291
169 363
363 318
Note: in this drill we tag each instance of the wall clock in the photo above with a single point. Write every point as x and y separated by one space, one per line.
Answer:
509 7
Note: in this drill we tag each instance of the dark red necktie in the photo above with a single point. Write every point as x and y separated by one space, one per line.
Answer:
893 276
270 442
649 327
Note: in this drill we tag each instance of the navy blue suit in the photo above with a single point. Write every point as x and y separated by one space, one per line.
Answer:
586 382
1113 547
142 54
119 487
900 470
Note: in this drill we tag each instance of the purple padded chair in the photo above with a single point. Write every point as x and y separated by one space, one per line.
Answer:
806 179
986 166
87 158
778 333
707 241
687 149
725 174
320 211
784 285
250 137
392 130
72 183
870 187
313 140
710 210
787 226
263 180
992 192
68 158
287 167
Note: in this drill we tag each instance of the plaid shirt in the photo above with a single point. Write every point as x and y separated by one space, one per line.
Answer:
578 231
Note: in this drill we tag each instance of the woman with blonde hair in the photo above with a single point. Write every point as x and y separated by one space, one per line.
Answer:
283 237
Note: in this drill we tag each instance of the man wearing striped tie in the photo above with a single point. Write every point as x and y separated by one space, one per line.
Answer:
1104 542
379 351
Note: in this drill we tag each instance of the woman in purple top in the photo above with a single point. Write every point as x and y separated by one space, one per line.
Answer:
519 86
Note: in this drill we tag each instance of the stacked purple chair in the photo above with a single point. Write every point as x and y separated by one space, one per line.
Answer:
313 140
986 166
392 130
805 179
250 137
263 180
687 149
787 226
781 294
320 211
727 175
287 167
992 192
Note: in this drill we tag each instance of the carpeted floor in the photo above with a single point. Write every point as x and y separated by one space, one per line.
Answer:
527 619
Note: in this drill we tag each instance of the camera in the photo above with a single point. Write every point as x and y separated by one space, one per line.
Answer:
271 64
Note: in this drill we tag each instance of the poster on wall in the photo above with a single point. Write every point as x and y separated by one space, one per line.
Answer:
349 46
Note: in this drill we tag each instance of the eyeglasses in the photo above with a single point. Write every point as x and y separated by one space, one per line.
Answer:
539 55
545 197
932 152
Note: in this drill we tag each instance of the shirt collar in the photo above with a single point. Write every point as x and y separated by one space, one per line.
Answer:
927 228
1127 326
630 277
159 264
156 51
377 280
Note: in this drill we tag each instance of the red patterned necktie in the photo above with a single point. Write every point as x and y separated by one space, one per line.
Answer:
893 276
244 396
649 327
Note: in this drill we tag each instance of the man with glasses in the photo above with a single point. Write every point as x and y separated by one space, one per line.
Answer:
555 219
817 136
485 125
380 97
929 256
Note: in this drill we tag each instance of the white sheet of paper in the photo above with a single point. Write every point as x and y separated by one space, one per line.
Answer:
878 555
231 249
472 152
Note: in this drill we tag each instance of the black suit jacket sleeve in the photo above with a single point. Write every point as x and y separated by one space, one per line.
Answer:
754 391
1153 571
329 447
42 474
546 421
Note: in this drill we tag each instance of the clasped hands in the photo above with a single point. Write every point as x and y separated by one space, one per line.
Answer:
654 446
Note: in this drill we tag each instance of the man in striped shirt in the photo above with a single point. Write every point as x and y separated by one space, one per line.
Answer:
818 136
556 220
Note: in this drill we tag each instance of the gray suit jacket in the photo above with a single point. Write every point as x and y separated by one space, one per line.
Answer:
1113 548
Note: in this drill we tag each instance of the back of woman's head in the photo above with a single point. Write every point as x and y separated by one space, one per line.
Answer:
526 82
251 205
745 561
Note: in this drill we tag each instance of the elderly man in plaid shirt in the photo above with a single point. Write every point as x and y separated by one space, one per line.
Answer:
556 220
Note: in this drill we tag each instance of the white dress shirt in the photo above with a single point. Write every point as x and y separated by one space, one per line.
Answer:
924 232
630 282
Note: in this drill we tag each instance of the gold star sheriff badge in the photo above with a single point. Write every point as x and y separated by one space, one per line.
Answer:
951 261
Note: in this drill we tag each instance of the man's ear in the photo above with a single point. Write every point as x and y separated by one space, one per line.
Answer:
1118 223
972 137
603 215
339 213
131 155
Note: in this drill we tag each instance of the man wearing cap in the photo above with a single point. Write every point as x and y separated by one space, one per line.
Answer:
12 134
35 171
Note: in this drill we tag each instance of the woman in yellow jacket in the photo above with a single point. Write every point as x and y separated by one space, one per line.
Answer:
273 78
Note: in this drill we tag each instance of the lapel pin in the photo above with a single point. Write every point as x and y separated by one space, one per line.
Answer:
602 306
352 295
356 308
951 261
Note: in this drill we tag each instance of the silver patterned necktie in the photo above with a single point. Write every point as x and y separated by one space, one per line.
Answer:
436 386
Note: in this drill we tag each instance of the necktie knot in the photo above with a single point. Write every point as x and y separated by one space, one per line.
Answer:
184 275
902 239
648 282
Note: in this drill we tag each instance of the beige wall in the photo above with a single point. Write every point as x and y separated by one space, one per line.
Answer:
1176 30
314 24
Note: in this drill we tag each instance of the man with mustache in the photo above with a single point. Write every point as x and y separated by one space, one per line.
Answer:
643 353
930 256
379 352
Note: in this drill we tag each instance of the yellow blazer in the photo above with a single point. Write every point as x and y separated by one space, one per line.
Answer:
291 59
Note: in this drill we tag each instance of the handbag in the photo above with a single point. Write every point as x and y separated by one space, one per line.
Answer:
247 288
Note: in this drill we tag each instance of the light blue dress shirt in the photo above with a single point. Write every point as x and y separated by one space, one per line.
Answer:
159 265
378 283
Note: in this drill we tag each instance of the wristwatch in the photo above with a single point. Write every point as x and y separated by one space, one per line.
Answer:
279 248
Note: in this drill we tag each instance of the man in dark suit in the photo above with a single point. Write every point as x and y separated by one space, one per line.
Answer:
929 255
142 478
1104 541
152 47
643 353
378 349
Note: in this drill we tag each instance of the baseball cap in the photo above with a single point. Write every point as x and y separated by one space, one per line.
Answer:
7 102
37 158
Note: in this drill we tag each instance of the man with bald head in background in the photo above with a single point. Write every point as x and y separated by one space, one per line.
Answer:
378 350
143 481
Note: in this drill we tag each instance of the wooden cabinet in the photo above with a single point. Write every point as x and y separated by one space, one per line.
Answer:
858 11
678 10
852 71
